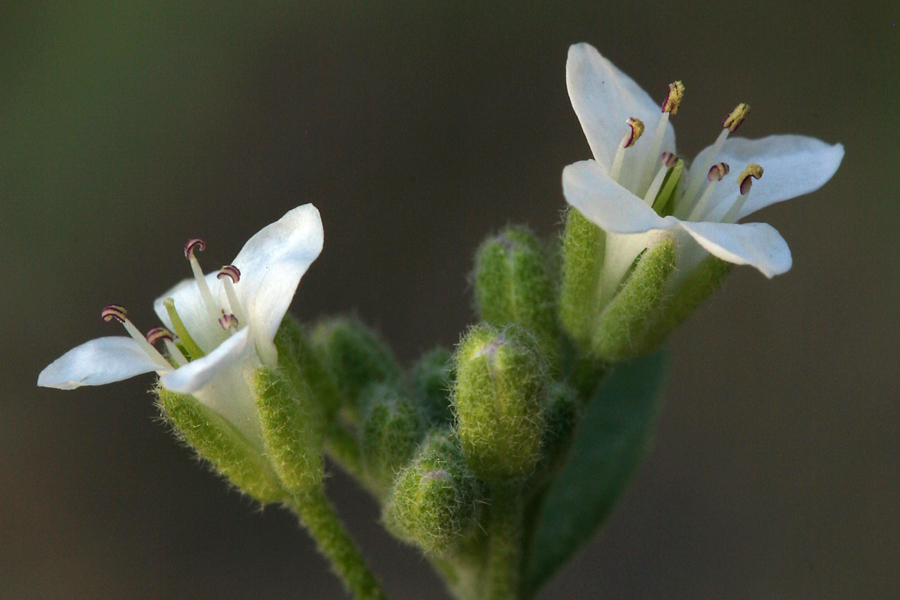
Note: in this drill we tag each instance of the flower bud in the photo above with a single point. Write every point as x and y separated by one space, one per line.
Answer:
292 434
356 357
432 377
621 326
501 381
391 431
218 442
435 502
513 284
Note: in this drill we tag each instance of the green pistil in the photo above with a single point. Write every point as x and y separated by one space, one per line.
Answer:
667 193
181 331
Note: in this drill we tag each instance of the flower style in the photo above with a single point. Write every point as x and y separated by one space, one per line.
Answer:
224 325
637 190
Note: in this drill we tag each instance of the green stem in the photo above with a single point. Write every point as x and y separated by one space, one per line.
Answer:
333 541
505 543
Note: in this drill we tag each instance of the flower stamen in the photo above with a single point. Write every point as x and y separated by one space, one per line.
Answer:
669 106
716 173
229 274
190 345
669 188
161 333
729 125
745 182
634 134
228 321
114 311
668 161
205 293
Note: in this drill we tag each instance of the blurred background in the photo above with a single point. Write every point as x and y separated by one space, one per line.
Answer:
418 128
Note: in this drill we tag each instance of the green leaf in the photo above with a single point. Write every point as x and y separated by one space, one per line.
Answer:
610 444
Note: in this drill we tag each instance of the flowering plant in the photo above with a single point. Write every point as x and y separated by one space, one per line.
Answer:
498 460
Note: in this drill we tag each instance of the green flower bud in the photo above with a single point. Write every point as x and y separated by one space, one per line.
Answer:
432 379
291 431
300 361
218 442
620 329
501 381
513 284
583 247
435 502
356 357
391 431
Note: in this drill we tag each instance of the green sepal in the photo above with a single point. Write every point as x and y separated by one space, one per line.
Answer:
291 431
583 247
705 279
432 378
501 381
435 502
220 444
514 284
392 427
620 328
301 362
356 357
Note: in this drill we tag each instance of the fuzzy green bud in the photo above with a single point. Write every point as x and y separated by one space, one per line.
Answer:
501 381
218 442
391 431
292 434
356 357
514 284
620 329
432 378
583 247
435 501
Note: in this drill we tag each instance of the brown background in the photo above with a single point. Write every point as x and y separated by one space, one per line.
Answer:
417 128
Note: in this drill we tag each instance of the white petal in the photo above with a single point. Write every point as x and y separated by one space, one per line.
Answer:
272 263
189 304
793 165
607 204
755 244
603 98
197 373
97 362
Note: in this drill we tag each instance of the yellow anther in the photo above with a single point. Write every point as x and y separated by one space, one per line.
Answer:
744 180
673 98
736 117
637 130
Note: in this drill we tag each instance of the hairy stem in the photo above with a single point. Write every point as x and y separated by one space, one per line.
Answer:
505 544
333 541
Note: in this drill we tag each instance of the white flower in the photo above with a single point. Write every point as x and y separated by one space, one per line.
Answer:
225 322
624 190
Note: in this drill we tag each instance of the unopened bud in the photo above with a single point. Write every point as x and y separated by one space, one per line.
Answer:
435 501
391 431
356 356
514 284
432 378
501 380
